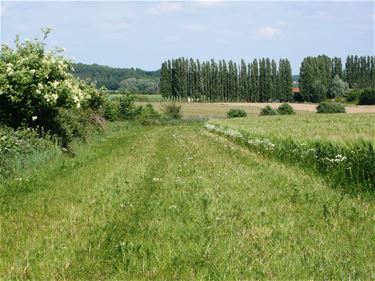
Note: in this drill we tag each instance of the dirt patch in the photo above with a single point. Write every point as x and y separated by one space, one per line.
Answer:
310 107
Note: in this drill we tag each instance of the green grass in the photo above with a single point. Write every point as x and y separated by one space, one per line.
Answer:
207 110
138 97
179 203
341 128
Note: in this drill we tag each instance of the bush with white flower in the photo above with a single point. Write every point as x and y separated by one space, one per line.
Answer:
35 83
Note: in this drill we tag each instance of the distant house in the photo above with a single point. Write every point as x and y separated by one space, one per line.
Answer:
295 87
295 90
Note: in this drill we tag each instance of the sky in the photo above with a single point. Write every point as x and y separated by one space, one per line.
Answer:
143 34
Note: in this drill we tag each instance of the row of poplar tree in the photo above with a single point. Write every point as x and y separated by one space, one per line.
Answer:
261 80
316 74
258 81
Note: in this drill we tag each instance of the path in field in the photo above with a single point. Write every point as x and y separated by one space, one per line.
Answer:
176 203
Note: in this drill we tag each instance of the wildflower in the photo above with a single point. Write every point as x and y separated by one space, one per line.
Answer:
156 179
34 118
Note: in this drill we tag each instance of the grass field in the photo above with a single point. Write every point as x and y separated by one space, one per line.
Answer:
139 98
206 110
341 128
219 110
179 203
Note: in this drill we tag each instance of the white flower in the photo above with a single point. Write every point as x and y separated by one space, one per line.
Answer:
34 118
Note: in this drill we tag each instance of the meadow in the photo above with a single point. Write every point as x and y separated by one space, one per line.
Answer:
340 147
219 109
338 128
178 203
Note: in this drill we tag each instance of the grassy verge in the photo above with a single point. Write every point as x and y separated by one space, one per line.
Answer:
321 146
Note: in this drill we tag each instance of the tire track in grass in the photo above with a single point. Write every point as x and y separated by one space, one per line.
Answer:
50 220
124 241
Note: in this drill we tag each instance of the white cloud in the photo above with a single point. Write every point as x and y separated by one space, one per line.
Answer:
195 27
208 3
166 7
268 32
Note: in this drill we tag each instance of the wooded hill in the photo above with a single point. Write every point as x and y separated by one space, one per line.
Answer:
127 79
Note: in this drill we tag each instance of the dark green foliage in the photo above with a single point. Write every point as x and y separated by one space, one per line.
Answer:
330 107
360 71
315 77
148 115
318 92
76 124
172 111
286 109
236 112
127 110
111 78
110 110
285 81
353 95
193 81
267 110
367 97
16 144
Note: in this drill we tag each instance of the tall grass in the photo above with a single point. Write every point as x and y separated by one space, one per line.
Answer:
351 166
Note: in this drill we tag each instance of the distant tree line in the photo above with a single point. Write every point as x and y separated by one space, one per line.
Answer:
321 76
259 81
360 71
132 80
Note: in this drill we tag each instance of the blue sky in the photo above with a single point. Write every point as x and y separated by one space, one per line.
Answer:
144 34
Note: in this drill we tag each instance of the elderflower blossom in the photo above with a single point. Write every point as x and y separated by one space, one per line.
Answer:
339 158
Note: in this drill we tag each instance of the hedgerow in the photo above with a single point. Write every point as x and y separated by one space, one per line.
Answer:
17 145
36 84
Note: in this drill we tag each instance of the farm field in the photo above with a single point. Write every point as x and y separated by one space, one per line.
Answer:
219 110
341 128
179 203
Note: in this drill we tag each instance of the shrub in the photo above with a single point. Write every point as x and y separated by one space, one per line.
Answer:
338 88
172 111
353 95
286 109
236 112
16 144
127 109
34 83
70 124
367 97
110 110
267 110
149 115
330 107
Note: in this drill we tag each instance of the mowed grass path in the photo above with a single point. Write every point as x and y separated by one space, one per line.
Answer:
177 203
